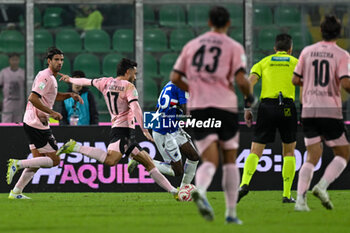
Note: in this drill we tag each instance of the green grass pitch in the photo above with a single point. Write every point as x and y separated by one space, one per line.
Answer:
261 211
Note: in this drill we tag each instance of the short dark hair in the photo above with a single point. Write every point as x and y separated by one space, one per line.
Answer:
219 16
283 42
52 51
78 73
13 55
330 28
124 65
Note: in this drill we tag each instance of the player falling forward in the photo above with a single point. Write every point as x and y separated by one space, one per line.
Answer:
35 123
173 142
122 100
323 67
211 63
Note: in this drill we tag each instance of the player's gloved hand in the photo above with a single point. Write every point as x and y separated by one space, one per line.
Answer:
77 97
56 115
248 117
148 135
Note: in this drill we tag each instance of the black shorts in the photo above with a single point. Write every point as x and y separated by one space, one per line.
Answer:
229 123
328 128
272 116
127 139
40 137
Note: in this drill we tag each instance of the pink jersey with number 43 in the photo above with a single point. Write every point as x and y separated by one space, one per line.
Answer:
321 67
210 63
45 86
118 94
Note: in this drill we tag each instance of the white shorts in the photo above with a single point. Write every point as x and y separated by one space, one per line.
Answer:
169 145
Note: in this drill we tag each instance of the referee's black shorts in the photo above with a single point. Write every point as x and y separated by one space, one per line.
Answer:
272 116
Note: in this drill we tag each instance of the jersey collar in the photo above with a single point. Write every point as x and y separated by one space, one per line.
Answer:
281 52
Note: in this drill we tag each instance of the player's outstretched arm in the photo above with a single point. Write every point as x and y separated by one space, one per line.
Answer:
136 109
62 96
77 81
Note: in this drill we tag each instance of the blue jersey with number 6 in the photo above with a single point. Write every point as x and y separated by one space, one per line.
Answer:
169 100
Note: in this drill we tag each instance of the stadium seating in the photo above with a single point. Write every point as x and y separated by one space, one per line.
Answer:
236 14
68 40
344 43
109 64
123 40
166 64
266 38
150 95
37 64
155 40
172 16
179 37
287 16
88 63
4 61
301 37
198 15
52 17
42 40
97 41
11 41
148 14
257 56
67 67
37 15
237 34
315 32
150 66
262 15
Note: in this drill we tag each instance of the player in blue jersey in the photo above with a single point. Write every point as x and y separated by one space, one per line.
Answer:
171 140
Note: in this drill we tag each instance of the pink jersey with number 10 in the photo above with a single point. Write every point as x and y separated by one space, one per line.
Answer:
321 67
118 94
210 63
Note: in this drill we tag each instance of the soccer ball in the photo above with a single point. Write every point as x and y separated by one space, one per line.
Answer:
185 192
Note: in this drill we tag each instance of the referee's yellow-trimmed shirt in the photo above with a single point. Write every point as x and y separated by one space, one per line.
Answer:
276 72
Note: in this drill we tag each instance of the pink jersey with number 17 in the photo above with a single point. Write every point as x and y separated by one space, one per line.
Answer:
210 63
118 94
321 67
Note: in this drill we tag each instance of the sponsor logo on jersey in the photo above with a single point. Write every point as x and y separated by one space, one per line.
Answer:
42 86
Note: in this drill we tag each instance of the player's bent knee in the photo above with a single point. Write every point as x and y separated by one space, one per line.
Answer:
112 158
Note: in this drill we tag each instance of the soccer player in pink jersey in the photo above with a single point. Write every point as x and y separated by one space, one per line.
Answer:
211 63
122 100
323 67
36 126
